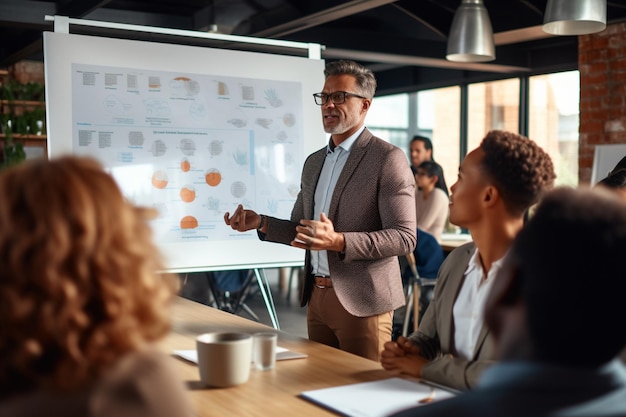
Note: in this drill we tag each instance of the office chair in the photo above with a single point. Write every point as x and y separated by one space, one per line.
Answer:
423 266
232 300
224 290
414 290
298 272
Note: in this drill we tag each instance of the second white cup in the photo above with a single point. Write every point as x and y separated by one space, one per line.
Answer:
264 350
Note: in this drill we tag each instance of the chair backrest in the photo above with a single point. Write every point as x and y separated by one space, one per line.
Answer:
423 267
428 255
231 280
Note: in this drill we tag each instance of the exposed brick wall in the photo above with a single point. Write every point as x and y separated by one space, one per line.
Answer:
27 71
602 65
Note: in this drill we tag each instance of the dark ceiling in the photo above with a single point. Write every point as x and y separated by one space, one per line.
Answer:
403 41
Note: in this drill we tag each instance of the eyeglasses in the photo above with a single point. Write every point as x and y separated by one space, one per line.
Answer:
338 97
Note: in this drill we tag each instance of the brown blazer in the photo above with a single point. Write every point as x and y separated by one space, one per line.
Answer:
373 204
141 384
436 331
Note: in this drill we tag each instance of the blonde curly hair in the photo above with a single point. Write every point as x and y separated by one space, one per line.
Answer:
79 283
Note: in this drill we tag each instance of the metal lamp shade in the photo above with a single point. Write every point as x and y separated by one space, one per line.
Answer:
471 35
574 17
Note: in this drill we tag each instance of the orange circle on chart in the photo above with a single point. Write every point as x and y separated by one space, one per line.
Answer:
188 222
185 165
187 194
159 180
213 177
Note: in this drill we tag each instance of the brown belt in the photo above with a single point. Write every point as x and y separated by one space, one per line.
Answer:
323 282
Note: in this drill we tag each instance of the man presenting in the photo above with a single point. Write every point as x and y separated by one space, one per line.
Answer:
354 215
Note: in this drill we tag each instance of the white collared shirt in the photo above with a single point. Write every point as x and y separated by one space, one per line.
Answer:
333 165
468 310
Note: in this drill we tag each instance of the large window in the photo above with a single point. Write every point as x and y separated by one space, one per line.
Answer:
388 118
389 112
492 106
439 113
431 113
553 121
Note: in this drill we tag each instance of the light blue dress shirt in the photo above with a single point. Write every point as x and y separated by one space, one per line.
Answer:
333 165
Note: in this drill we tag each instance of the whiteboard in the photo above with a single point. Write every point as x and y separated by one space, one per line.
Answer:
192 132
604 160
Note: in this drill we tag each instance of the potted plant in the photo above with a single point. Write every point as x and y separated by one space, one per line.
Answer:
11 152
21 122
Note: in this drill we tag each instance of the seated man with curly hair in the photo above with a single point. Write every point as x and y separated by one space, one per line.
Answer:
80 298
497 183
555 314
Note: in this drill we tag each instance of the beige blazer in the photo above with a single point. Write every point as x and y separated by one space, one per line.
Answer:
435 334
373 204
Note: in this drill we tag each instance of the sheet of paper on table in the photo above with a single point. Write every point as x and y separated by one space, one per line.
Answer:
376 398
281 354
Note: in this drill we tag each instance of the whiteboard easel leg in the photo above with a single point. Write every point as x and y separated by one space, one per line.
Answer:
261 279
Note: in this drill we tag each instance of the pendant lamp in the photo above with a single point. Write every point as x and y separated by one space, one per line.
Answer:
574 17
471 35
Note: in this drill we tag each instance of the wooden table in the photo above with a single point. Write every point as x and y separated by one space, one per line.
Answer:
448 245
268 393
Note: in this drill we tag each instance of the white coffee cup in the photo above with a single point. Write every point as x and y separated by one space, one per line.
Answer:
224 358
264 350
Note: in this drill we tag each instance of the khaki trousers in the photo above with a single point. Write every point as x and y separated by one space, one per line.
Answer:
329 323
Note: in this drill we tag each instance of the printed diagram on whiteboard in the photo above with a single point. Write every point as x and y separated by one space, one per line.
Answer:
192 146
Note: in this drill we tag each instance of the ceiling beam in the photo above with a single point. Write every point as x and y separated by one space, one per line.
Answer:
142 18
420 61
226 16
422 22
26 51
32 13
323 16
531 33
79 8
24 12
397 50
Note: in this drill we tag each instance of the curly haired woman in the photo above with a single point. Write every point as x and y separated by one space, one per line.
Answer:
81 302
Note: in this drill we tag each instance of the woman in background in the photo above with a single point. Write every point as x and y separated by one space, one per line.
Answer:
431 199
81 302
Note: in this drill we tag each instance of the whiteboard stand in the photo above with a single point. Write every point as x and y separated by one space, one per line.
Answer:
62 51
264 286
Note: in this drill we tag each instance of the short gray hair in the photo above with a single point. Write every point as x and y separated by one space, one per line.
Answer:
364 77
